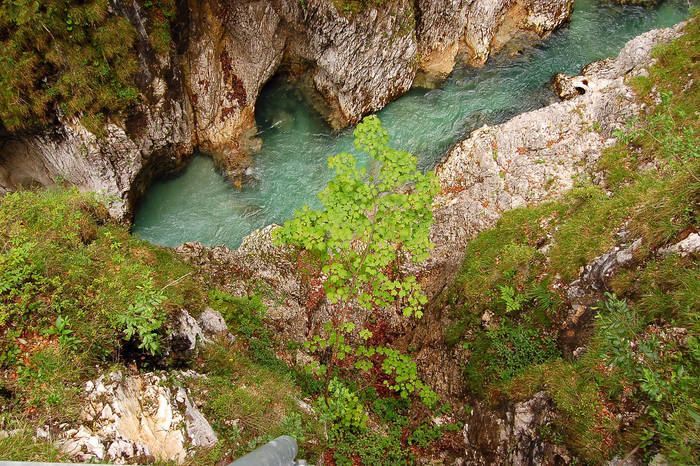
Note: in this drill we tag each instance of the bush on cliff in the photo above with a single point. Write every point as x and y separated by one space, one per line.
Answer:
76 56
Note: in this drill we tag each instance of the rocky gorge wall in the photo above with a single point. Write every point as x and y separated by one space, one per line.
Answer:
202 93
534 157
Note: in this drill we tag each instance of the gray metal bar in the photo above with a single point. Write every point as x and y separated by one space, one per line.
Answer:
279 452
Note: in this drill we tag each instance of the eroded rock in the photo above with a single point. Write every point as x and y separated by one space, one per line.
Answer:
139 419
512 435
690 245
449 28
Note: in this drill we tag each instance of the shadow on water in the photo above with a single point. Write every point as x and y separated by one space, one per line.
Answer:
199 205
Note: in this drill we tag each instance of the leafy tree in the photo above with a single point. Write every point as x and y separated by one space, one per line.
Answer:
371 223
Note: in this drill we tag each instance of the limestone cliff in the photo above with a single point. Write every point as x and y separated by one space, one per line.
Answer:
532 158
448 28
121 162
202 93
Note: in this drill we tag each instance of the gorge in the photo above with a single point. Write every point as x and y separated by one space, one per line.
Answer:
201 205
147 314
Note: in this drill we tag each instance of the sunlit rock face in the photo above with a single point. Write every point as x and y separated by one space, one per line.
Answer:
475 29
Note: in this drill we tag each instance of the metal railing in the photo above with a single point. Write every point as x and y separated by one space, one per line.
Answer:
282 451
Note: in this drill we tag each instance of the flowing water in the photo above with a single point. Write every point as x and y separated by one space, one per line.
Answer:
199 205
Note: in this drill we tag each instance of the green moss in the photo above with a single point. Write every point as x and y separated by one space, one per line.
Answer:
652 191
358 6
75 55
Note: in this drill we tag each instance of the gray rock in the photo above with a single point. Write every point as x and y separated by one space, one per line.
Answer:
567 87
510 434
188 330
198 428
690 245
212 322
588 288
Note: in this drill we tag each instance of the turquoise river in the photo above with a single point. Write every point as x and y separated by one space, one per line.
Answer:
200 205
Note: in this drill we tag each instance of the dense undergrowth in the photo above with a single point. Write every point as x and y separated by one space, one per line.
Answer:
77 56
636 386
80 296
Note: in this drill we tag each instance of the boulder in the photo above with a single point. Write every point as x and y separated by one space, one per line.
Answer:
135 418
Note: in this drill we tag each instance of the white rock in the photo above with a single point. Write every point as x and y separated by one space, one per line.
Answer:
100 388
83 433
9 433
120 449
212 322
690 245
106 413
43 433
198 428
94 446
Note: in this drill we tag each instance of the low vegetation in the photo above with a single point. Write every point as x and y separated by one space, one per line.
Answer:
73 56
80 296
641 363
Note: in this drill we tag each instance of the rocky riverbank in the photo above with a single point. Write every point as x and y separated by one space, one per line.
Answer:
535 157
202 92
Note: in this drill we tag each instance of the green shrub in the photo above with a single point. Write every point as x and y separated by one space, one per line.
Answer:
76 55
341 409
64 52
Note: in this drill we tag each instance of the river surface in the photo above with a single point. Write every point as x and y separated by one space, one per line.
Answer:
200 205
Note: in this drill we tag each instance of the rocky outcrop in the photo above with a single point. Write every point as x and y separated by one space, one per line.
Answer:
584 293
533 157
134 418
203 92
121 162
512 434
448 28
258 262
233 48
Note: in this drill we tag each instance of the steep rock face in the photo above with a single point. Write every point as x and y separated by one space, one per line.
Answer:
233 48
118 163
511 434
358 63
203 92
476 28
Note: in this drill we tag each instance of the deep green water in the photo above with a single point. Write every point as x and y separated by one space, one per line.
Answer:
199 205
